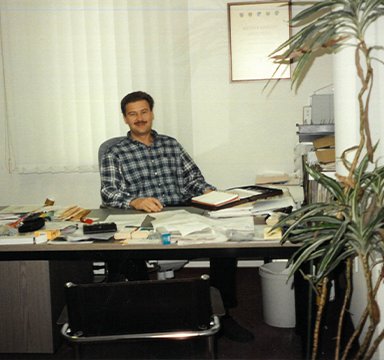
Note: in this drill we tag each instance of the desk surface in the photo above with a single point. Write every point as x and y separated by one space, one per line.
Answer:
112 250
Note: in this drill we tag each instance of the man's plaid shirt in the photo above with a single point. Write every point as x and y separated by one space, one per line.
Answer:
163 170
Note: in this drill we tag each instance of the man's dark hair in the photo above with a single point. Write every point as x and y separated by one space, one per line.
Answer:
136 96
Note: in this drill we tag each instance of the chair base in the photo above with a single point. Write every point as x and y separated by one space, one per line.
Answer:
198 339
166 268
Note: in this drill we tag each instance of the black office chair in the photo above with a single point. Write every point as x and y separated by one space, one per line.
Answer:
178 309
165 269
103 148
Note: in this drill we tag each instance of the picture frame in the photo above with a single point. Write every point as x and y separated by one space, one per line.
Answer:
256 29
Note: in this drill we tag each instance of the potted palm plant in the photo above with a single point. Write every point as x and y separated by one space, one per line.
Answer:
349 227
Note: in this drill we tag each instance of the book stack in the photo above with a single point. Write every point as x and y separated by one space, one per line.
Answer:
315 193
316 147
325 152
308 134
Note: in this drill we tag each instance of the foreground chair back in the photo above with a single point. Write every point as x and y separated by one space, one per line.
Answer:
156 309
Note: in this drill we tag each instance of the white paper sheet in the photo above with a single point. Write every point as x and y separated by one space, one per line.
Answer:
183 223
122 220
232 212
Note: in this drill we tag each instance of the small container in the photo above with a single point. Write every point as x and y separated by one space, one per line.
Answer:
166 238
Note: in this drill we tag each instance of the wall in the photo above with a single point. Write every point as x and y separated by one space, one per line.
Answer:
237 129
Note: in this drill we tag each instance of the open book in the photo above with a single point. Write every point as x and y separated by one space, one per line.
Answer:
216 198
220 199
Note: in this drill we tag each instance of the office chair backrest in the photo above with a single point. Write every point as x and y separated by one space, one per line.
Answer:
139 306
103 148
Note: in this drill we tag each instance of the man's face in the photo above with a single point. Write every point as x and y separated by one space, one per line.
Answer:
139 117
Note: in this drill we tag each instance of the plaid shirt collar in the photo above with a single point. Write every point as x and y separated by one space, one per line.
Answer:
133 141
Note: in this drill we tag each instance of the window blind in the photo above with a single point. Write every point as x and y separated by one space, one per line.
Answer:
68 63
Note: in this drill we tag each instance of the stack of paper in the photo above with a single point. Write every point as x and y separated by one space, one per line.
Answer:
268 205
232 212
23 239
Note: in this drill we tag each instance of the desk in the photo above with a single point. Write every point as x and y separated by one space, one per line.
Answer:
101 250
27 275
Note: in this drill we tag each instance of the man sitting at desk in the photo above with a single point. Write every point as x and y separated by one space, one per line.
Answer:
147 171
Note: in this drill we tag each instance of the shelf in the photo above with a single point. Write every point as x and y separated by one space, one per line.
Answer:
308 133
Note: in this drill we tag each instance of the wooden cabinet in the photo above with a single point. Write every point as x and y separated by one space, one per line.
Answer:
32 298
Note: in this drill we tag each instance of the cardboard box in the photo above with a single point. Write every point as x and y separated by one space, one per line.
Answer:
324 142
326 155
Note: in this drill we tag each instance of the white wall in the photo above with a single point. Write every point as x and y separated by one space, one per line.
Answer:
237 130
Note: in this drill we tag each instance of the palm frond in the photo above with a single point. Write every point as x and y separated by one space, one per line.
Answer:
304 253
325 25
313 11
303 220
338 260
371 12
334 187
336 246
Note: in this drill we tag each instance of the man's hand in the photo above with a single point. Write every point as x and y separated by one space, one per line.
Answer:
149 204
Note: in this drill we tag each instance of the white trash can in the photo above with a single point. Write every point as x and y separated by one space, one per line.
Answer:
278 295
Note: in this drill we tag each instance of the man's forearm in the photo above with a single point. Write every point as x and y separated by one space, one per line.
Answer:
115 199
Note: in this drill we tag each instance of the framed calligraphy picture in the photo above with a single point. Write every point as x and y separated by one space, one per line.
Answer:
256 29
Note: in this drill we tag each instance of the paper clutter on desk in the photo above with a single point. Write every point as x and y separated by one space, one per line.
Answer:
73 213
136 236
131 234
141 236
273 219
50 234
272 234
24 239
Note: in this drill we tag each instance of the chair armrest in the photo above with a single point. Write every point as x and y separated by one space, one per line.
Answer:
217 302
63 318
